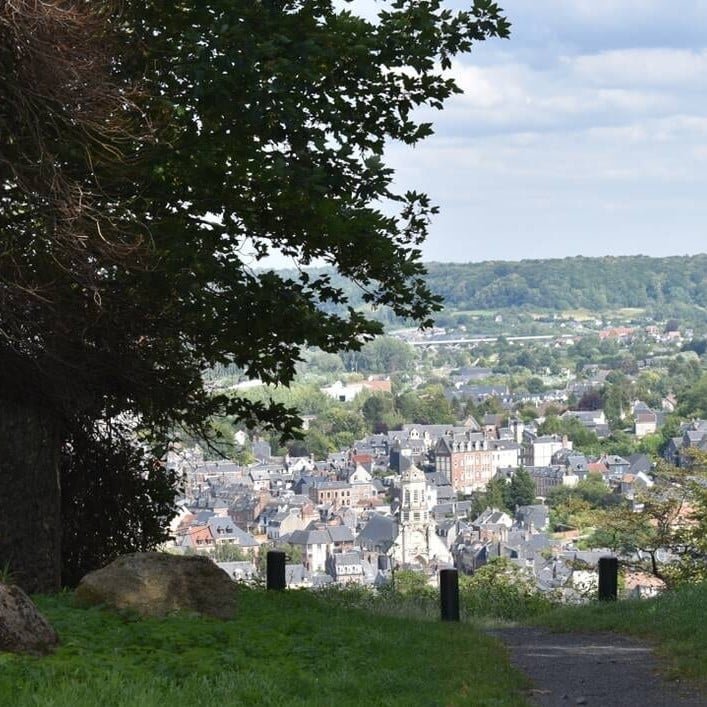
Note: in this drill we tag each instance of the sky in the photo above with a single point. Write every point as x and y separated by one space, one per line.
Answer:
585 133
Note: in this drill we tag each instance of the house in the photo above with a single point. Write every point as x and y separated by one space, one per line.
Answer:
239 571
645 420
297 577
346 392
575 463
451 509
533 518
197 537
630 484
246 507
225 532
346 567
285 522
315 545
467 463
469 552
539 450
640 463
260 478
492 524
342 538
331 493
594 420
616 466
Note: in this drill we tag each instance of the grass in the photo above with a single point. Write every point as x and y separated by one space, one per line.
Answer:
291 648
673 622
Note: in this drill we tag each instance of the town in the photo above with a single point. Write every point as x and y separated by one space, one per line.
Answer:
495 476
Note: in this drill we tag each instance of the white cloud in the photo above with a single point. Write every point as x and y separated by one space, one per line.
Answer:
642 67
586 133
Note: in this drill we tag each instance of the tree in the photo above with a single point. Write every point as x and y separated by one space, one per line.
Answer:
270 124
521 489
379 412
386 355
116 498
65 118
495 495
666 535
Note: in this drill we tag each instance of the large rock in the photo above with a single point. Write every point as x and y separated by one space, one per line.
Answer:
157 584
22 628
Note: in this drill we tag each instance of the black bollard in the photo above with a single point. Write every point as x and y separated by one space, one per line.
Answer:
276 570
608 578
449 594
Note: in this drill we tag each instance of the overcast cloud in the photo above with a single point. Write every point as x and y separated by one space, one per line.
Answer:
584 134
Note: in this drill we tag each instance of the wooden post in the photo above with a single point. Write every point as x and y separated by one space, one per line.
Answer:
449 594
608 578
276 570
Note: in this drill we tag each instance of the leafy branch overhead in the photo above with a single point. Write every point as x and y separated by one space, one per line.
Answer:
279 114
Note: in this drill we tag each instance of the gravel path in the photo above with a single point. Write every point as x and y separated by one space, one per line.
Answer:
599 669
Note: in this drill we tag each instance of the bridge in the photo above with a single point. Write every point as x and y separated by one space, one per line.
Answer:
490 339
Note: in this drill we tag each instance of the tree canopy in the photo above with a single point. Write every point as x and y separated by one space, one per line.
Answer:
153 158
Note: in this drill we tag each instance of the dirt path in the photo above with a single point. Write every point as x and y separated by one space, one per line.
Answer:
599 669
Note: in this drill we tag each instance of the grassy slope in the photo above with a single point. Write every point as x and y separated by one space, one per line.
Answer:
675 622
283 649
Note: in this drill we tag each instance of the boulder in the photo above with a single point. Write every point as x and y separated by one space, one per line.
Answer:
157 584
22 628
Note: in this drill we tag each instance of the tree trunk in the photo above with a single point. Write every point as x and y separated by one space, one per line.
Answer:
30 502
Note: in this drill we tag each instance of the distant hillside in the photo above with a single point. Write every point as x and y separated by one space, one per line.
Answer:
573 283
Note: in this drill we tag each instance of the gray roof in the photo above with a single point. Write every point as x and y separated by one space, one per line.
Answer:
380 531
639 462
296 574
536 514
346 558
340 533
309 537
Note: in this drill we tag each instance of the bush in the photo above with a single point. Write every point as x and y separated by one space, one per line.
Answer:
501 590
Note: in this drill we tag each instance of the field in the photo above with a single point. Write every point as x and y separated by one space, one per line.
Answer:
290 648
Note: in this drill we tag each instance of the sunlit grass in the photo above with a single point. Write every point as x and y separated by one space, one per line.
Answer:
673 621
289 648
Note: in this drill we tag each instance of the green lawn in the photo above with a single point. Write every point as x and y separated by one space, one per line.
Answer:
290 648
674 622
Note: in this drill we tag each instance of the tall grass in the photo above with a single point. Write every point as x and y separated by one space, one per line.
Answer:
675 621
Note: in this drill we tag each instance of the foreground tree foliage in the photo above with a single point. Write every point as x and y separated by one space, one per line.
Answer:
116 498
667 535
143 185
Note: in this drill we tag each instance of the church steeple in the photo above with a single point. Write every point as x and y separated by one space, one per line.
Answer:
417 543
413 507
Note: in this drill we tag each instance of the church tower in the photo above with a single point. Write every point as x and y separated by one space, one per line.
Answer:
417 543
413 508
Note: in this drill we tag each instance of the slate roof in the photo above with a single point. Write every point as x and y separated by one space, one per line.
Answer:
538 514
309 537
347 558
340 533
640 462
380 531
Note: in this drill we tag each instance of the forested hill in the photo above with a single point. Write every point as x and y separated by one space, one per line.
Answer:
572 283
